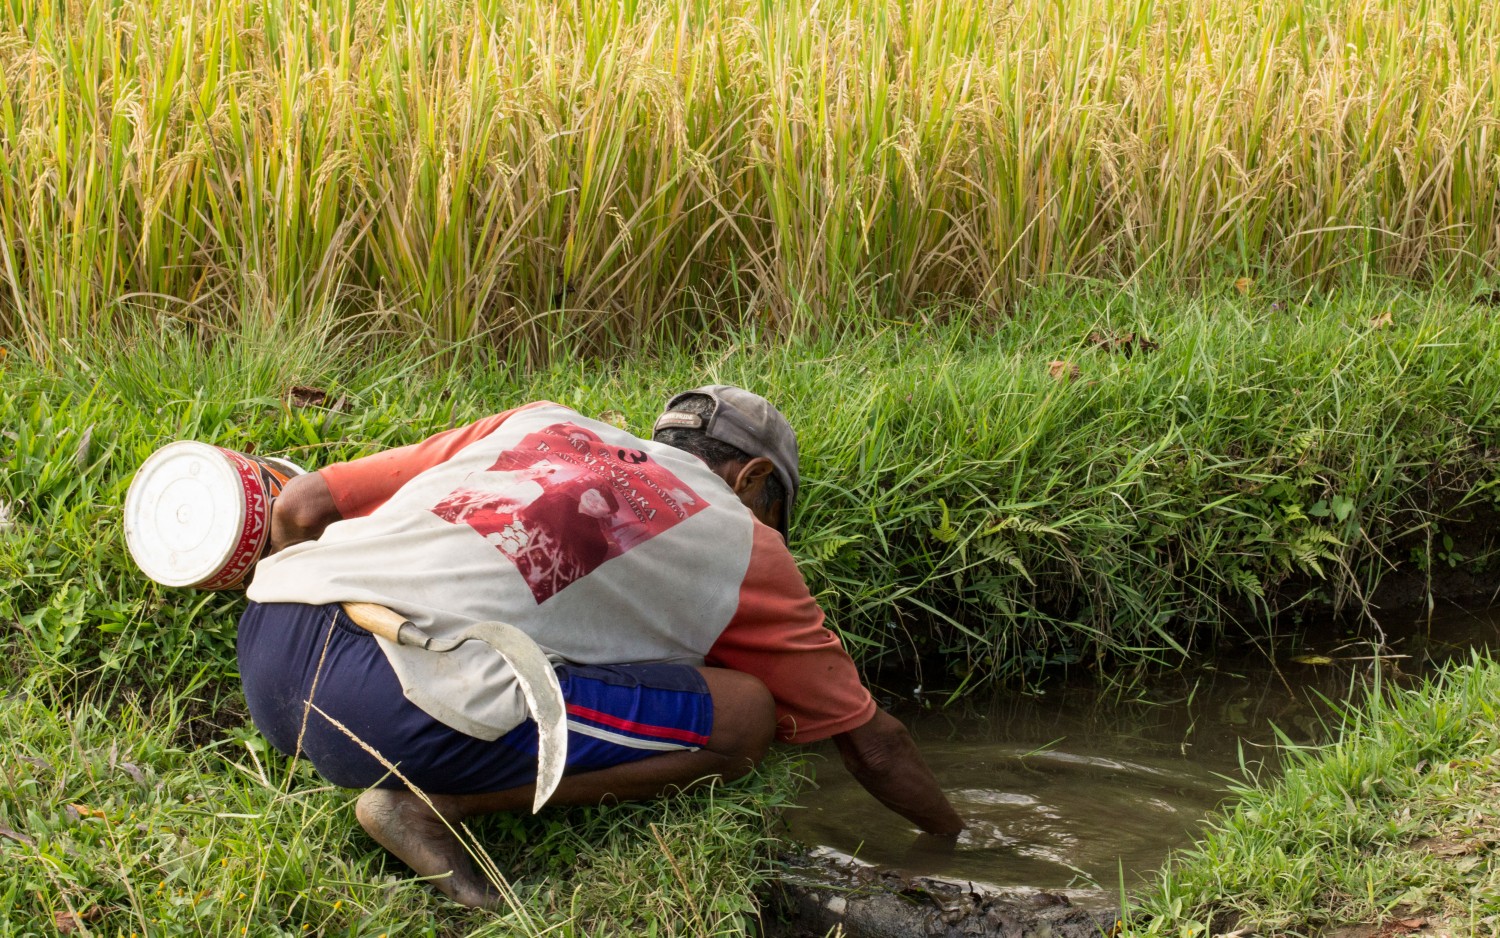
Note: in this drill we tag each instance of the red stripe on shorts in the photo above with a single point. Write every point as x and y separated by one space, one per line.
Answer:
640 729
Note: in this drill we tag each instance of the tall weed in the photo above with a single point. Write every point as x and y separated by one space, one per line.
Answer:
1216 462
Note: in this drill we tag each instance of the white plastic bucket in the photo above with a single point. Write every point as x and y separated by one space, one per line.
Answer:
200 515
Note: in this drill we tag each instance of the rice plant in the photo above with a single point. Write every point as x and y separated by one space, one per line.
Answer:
551 176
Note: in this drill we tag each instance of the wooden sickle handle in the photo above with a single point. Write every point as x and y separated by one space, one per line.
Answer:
375 618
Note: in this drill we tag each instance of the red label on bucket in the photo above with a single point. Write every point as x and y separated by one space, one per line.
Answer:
257 524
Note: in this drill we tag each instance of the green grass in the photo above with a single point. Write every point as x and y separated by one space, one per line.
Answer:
964 511
605 172
960 500
1398 820
141 813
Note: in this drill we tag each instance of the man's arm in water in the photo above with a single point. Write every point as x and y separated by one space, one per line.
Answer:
882 757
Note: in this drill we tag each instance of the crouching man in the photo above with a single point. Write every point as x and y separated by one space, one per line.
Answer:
654 574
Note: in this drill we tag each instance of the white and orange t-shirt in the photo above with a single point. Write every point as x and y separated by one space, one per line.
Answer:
604 548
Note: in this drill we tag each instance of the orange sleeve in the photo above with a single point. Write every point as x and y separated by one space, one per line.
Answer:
362 485
777 635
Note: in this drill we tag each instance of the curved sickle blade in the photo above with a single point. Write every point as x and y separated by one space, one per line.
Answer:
543 695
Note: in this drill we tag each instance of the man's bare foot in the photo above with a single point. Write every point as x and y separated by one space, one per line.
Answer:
403 824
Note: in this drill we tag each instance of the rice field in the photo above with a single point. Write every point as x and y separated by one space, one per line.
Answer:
553 177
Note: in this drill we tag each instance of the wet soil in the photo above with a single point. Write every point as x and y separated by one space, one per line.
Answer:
817 896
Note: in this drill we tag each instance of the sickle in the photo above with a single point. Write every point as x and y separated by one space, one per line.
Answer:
532 669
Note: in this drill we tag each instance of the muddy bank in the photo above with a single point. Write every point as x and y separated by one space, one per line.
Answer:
819 893
1464 570
1456 566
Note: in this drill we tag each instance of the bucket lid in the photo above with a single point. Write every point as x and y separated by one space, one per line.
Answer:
184 513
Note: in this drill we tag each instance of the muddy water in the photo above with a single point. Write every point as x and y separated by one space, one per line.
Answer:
1083 787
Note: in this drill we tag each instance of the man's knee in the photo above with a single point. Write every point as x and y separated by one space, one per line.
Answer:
744 718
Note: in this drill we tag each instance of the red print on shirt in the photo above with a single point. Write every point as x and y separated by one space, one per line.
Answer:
562 502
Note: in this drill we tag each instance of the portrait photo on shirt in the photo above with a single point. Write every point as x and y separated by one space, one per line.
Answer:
561 502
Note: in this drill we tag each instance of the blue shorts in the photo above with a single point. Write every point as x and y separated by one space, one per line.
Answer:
616 714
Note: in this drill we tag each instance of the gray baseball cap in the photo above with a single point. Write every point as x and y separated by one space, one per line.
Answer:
748 422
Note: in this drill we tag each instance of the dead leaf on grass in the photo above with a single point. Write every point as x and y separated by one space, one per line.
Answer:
1064 370
1126 343
83 810
85 447
67 923
134 771
1392 928
303 396
17 836
1483 843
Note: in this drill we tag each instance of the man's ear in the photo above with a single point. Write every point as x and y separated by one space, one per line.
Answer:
752 475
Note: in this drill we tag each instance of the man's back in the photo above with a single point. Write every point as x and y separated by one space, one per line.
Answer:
603 547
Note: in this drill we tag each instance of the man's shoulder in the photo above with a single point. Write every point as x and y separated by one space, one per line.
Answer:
772 566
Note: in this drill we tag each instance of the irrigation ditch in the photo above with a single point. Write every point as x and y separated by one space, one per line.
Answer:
1078 793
